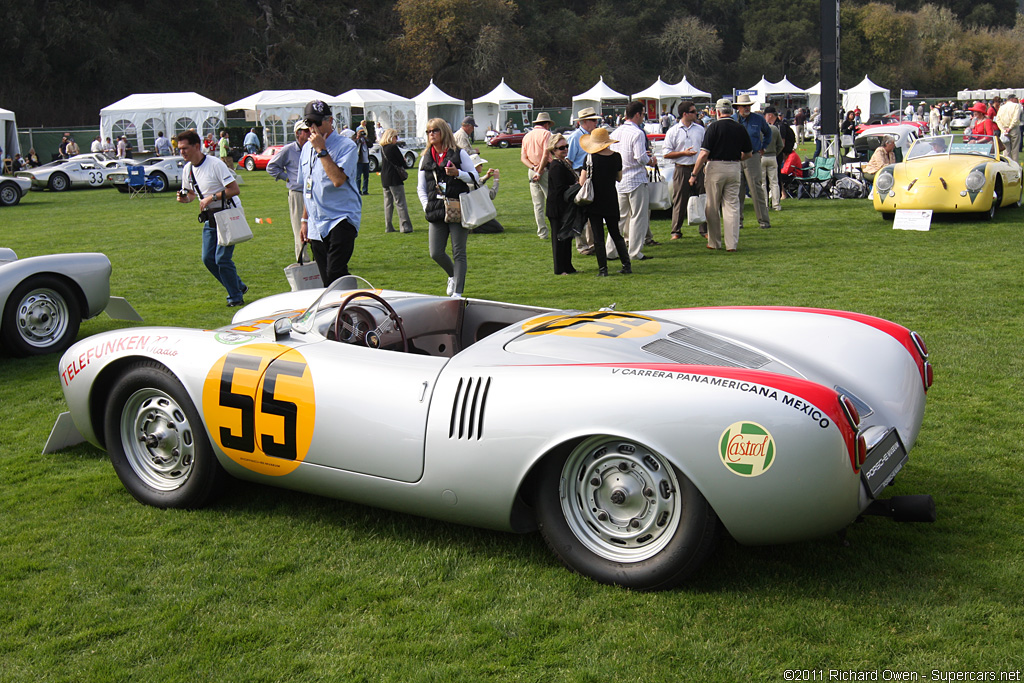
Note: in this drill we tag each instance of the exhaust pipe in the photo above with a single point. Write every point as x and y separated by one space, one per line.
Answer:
920 508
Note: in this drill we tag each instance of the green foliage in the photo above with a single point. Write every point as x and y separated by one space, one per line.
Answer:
271 585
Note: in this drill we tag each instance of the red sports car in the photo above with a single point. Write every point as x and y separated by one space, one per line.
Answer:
252 162
507 140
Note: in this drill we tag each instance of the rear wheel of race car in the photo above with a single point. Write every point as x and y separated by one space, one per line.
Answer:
159 182
888 215
42 315
503 144
10 194
618 512
374 164
157 442
250 164
410 159
59 182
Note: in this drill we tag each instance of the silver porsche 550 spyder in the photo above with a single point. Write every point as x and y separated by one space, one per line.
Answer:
629 439
43 300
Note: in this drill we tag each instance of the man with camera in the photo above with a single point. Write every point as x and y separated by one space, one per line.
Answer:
209 179
334 207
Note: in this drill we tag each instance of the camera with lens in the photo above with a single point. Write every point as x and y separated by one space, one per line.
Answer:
206 216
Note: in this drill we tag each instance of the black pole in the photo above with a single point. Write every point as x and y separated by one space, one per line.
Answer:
829 67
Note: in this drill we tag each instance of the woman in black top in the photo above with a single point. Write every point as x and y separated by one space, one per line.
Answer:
560 208
605 167
392 179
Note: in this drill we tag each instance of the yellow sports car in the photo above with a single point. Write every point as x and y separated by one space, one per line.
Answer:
950 174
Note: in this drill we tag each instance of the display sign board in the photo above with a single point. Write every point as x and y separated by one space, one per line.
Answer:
912 219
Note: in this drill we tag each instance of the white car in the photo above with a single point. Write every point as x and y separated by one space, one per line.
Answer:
12 189
165 172
410 155
64 174
104 160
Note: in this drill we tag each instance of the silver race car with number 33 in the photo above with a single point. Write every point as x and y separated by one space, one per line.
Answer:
631 440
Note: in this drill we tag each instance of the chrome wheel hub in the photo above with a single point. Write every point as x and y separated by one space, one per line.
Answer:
42 317
157 439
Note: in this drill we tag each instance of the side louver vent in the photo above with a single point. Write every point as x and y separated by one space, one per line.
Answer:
468 408
692 347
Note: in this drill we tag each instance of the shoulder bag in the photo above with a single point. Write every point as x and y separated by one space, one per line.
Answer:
660 194
303 275
477 207
232 228
586 194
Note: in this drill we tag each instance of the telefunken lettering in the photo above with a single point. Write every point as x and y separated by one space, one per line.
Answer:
134 342
737 385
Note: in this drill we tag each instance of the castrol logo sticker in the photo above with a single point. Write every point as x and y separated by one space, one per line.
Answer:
747 449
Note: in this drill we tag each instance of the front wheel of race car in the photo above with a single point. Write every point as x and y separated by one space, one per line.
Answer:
59 182
42 315
250 164
159 182
374 165
620 513
10 194
157 442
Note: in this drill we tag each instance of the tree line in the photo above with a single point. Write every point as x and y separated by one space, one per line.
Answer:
63 61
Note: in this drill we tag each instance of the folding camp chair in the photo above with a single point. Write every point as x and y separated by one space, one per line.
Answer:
138 182
818 181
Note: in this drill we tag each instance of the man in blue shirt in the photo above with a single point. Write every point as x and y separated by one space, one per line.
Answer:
333 206
251 142
588 120
760 135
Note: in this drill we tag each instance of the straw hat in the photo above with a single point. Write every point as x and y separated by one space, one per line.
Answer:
743 101
543 117
587 113
477 161
596 141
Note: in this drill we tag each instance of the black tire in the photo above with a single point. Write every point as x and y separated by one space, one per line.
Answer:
59 182
503 144
888 215
10 194
410 159
374 164
42 315
997 199
250 164
159 182
157 442
618 512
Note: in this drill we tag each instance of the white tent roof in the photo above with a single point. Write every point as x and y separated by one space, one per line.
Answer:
685 89
763 88
595 97
8 133
784 87
492 110
659 90
141 116
869 96
391 110
436 103
277 111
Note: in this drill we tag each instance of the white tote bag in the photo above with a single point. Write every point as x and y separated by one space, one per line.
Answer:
232 228
477 207
659 192
695 213
303 275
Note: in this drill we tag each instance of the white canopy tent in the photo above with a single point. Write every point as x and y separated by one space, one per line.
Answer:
596 97
140 117
660 96
9 133
434 103
763 88
493 109
278 110
872 99
688 91
391 110
814 96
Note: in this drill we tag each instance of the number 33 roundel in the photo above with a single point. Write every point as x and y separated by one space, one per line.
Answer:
260 408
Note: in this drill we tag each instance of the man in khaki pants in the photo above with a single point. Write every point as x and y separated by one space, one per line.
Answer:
535 157
726 145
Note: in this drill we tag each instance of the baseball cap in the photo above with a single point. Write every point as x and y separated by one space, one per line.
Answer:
316 111
469 120
300 125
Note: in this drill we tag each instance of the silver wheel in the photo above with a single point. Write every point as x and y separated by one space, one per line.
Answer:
10 194
157 439
250 164
42 318
620 499
59 182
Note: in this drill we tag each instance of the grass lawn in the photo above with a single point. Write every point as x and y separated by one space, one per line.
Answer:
270 585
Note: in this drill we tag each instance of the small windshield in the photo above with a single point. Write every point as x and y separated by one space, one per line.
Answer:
304 321
974 145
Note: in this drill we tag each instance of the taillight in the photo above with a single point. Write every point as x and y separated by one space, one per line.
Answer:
928 375
922 348
851 411
862 450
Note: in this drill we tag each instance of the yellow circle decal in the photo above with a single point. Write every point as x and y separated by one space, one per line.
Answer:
596 325
260 407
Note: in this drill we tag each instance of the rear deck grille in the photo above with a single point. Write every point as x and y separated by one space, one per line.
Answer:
692 347
468 407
